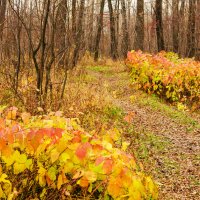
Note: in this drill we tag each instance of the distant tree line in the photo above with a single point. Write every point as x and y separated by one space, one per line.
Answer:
47 34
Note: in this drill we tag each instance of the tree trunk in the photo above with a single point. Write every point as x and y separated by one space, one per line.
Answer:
114 52
175 25
99 31
191 29
125 41
91 25
117 21
159 26
2 16
74 19
61 24
198 32
79 33
182 31
139 27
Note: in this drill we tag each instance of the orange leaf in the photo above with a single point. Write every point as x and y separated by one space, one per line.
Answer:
107 166
129 118
2 144
10 137
83 182
7 151
115 188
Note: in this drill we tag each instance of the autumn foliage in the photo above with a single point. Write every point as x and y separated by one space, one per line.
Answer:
166 75
53 157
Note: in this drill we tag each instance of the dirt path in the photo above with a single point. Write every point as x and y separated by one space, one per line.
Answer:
177 167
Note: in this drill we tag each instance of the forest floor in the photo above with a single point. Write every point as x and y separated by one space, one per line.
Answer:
165 140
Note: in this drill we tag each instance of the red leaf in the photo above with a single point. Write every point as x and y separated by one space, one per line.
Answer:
107 166
81 152
99 160
76 139
97 147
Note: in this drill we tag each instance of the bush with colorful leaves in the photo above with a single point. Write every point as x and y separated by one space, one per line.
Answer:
52 157
167 76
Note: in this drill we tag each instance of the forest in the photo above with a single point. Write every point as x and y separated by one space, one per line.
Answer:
100 99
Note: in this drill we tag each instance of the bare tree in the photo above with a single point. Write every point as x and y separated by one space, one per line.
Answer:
78 33
91 27
46 38
74 2
99 31
191 29
198 31
175 24
139 27
114 52
159 25
125 40
2 16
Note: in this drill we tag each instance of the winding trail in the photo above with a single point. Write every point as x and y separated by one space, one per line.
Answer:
177 167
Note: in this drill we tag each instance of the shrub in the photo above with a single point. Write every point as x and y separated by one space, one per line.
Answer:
166 75
53 157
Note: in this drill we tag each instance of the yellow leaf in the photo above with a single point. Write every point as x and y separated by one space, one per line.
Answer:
59 182
0 169
151 187
52 173
18 168
19 158
137 190
12 113
107 145
3 179
125 145
42 195
64 157
91 176
29 163
41 148
135 195
78 174
68 167
8 160
40 109
26 117
54 155
42 171
1 193
42 181
41 176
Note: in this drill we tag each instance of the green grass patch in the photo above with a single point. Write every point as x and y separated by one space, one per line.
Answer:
105 118
87 78
103 69
113 112
148 144
157 104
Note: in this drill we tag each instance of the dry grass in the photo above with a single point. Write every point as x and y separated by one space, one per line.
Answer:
83 92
